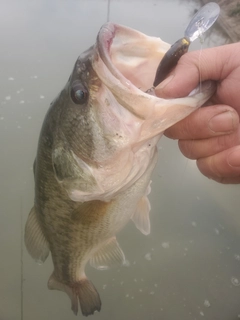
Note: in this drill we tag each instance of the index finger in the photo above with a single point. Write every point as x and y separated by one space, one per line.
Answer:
205 123
221 64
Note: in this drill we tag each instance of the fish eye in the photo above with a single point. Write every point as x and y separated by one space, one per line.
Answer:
79 93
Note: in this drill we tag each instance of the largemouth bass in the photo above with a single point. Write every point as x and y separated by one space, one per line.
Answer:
96 153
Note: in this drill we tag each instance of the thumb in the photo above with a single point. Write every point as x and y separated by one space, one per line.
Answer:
197 66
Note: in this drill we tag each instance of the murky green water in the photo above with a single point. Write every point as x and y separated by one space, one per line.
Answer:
189 266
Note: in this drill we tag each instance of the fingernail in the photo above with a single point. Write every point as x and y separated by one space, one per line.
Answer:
165 82
223 122
233 158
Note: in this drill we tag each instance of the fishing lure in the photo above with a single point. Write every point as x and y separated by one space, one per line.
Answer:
200 23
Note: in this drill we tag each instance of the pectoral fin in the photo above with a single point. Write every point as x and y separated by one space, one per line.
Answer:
34 238
141 215
110 254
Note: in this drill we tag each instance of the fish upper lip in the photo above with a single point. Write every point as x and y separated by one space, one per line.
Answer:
105 37
104 41
114 46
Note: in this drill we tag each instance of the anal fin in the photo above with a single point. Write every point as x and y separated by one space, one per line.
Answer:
141 215
82 291
35 241
108 255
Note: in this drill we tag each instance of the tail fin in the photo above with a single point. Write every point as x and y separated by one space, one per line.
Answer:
88 297
82 291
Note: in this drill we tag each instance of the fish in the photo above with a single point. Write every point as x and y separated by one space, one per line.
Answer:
96 153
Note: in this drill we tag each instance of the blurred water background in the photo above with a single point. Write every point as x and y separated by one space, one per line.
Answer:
189 266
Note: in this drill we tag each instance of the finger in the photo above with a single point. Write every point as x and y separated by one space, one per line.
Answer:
223 167
197 66
195 149
205 123
227 180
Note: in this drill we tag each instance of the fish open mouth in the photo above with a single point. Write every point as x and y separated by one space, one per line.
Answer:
130 55
126 61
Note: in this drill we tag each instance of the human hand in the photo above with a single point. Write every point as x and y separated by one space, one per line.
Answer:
211 135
